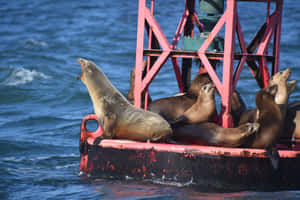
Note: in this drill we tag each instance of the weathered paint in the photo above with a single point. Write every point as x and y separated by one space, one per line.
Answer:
206 166
213 167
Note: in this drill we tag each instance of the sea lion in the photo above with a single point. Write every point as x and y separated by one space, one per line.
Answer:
284 89
213 134
203 110
130 94
117 117
238 106
269 118
172 107
292 121
282 94
270 121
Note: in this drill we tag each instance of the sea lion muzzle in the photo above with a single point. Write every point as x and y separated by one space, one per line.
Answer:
83 65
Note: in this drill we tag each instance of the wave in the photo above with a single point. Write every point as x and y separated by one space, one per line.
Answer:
21 76
33 43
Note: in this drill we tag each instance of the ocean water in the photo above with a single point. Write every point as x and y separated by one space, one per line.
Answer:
42 103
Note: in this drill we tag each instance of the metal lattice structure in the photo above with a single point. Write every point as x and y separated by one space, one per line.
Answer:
256 54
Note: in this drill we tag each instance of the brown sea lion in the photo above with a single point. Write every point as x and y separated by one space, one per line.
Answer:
118 118
172 107
282 94
284 89
203 110
213 134
292 121
238 106
269 118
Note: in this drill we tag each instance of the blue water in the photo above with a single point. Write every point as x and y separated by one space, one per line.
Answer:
42 103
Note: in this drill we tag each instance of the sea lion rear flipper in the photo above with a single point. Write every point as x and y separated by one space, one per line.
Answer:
274 157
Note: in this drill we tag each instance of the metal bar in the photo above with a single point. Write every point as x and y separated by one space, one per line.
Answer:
256 39
238 71
180 28
155 69
251 48
139 53
211 72
244 50
209 55
276 46
198 23
157 30
263 47
176 38
186 64
213 34
202 54
268 11
263 66
178 75
149 57
228 62
259 0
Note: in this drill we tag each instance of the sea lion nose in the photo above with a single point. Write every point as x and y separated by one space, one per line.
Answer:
83 63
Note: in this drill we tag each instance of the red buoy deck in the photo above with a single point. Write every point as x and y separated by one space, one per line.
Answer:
204 166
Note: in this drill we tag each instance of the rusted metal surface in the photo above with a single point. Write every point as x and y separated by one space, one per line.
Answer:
211 167
205 166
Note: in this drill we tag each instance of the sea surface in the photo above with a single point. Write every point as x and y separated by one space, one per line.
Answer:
42 103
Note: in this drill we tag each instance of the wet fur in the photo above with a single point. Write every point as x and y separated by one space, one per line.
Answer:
172 107
292 121
118 118
213 134
203 110
284 89
269 118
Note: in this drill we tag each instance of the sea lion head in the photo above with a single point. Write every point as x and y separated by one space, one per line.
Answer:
198 82
91 75
207 90
280 77
87 68
265 96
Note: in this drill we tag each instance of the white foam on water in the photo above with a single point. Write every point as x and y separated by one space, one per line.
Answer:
21 76
34 43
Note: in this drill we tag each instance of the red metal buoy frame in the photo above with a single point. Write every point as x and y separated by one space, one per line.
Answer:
256 51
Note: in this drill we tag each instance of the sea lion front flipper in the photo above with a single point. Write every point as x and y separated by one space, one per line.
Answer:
179 120
274 157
